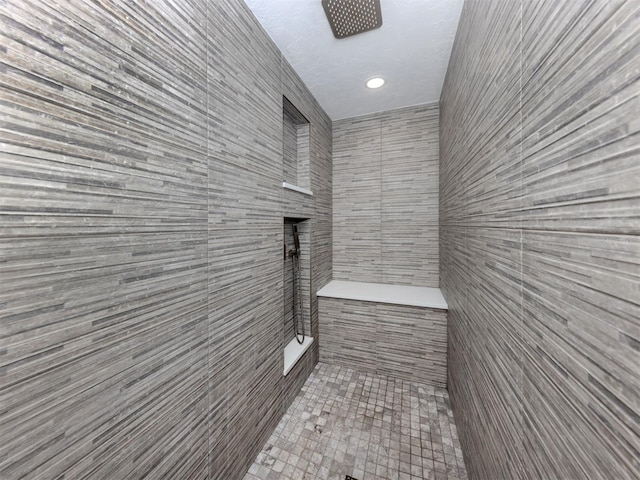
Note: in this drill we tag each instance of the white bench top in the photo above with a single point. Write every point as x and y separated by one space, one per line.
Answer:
384 293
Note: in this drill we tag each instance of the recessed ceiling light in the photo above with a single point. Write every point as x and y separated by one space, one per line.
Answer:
375 82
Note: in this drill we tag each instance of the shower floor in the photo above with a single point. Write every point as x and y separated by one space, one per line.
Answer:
365 426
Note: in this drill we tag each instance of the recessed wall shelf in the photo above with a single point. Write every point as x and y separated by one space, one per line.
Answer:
296 131
294 351
296 188
296 290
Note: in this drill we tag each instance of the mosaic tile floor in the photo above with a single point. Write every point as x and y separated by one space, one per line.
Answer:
369 427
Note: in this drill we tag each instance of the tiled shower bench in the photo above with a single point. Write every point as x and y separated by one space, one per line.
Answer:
387 329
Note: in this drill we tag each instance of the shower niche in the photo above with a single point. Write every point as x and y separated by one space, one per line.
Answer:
295 148
297 290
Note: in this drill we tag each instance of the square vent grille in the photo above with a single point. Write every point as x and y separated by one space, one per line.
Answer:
350 17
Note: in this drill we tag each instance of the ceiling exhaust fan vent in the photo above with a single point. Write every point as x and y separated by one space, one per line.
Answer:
350 17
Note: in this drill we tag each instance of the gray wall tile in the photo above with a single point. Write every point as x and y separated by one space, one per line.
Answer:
141 308
540 248
398 340
385 195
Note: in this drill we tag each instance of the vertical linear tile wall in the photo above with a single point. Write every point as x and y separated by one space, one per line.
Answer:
317 208
103 328
141 204
245 234
385 213
540 237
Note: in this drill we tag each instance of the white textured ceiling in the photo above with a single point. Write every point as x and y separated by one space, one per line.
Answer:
410 51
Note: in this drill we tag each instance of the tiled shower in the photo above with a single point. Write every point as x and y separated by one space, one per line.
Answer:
153 155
